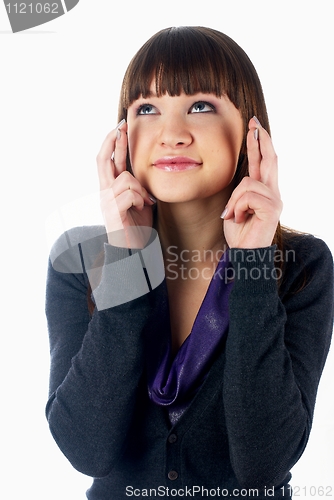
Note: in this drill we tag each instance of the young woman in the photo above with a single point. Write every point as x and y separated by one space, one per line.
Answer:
188 335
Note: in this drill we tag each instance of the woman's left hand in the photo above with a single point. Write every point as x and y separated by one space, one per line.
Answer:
253 210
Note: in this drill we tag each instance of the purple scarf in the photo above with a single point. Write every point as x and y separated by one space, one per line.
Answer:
175 382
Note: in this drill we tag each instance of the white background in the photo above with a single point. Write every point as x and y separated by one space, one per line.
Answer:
59 87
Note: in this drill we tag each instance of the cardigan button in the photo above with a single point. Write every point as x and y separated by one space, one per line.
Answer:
172 438
172 475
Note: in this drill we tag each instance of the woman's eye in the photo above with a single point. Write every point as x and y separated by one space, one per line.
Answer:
146 109
201 107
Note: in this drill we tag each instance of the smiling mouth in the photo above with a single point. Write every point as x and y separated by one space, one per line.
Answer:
176 164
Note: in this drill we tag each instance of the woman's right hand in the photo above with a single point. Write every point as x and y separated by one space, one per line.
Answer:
126 206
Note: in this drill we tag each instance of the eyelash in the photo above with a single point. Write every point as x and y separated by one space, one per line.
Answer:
213 109
147 105
143 106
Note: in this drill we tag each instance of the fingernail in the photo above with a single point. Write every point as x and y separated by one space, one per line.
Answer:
224 213
118 132
121 123
256 134
257 121
152 198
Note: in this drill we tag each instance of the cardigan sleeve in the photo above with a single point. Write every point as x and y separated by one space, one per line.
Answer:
275 353
96 367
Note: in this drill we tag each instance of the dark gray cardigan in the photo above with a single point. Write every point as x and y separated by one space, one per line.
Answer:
249 422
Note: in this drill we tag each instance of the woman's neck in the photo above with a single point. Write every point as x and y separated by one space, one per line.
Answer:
191 227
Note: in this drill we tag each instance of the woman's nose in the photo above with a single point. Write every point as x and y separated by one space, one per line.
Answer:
175 133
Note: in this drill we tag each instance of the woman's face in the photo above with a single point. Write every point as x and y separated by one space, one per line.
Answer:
184 147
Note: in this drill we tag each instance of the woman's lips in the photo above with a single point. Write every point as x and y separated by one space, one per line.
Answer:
176 163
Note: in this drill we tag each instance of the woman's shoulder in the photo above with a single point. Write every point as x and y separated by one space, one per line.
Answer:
306 258
77 246
305 246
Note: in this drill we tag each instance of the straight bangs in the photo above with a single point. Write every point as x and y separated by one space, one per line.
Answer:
193 60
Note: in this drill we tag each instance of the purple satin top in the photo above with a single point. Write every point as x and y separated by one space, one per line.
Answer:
175 381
